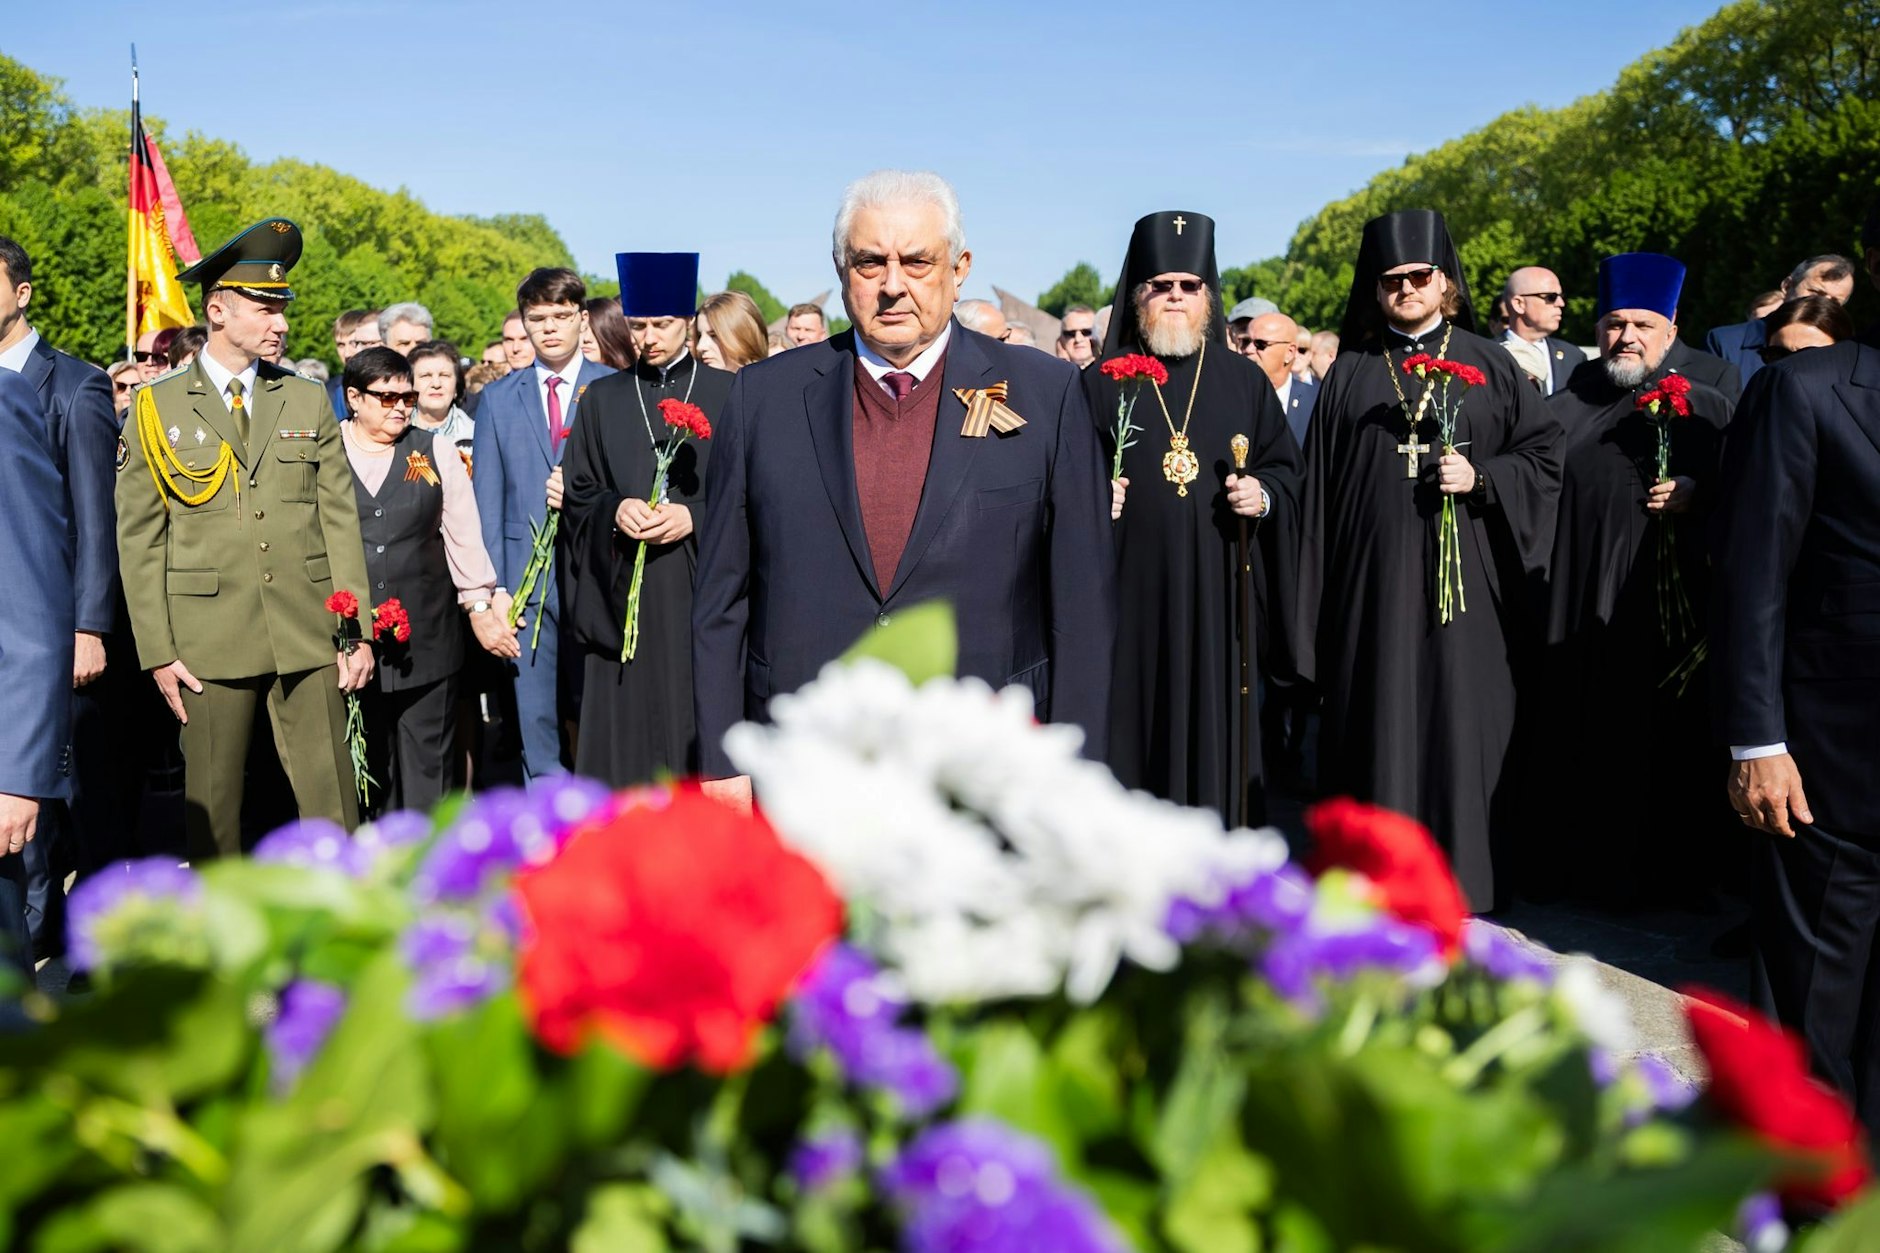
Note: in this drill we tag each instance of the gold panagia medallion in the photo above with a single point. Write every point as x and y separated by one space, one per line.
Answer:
1180 466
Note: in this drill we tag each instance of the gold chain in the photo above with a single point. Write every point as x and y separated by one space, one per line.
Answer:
1194 388
1429 384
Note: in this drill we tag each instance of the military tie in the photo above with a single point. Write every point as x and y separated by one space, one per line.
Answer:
238 411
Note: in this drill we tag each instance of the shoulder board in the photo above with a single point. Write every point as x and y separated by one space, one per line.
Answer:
168 374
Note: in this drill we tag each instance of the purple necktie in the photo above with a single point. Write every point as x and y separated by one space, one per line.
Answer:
899 383
556 431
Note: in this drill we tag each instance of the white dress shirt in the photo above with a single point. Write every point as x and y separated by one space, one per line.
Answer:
920 367
567 374
14 358
219 377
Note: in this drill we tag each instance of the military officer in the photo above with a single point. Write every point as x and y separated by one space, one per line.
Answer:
236 521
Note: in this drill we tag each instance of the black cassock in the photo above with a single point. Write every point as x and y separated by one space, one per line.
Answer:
1174 699
637 721
1419 716
1608 719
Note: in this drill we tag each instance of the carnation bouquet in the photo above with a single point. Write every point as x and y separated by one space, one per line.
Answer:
1136 368
1668 400
344 606
952 988
683 420
1438 374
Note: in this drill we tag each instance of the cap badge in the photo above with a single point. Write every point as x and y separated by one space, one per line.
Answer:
274 271
280 228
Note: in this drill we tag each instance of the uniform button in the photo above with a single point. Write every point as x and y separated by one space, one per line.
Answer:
381 548
378 513
381 585
881 619
264 545
267 578
259 515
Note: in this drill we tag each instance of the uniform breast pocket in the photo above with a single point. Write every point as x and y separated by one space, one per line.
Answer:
298 466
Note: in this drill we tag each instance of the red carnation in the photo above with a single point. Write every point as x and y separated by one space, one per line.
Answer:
673 927
391 618
1675 385
1135 365
1759 1079
1460 371
1418 363
343 603
1405 867
687 417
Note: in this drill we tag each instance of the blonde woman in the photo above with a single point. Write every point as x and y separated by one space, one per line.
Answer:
730 331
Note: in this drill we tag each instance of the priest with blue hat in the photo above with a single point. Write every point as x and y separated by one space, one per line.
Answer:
1625 694
637 720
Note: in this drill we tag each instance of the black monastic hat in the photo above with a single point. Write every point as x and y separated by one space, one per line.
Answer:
1409 235
1173 242
254 262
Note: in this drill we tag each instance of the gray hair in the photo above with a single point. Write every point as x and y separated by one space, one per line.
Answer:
409 311
1837 269
976 315
886 187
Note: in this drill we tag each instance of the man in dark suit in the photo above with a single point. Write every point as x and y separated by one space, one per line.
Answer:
523 422
844 485
1741 343
1535 305
35 645
83 431
1795 655
1270 341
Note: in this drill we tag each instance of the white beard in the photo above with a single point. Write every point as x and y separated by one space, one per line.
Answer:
1628 375
1170 337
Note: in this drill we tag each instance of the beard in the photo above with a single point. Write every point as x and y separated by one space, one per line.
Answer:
1171 335
1628 372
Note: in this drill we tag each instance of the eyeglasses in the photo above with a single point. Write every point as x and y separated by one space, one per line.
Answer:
144 358
1545 297
393 399
561 317
1261 345
1163 286
1073 332
1418 279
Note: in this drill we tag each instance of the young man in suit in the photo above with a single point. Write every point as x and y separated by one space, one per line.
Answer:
845 485
523 422
1794 640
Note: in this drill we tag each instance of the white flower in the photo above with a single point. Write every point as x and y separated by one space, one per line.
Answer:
1600 1013
986 857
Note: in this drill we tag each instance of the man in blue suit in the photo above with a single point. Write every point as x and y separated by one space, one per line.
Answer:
849 480
523 422
83 432
1741 343
35 644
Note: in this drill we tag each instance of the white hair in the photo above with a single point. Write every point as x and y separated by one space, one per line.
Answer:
976 315
886 187
409 311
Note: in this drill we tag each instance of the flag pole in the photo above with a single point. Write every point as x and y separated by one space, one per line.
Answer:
130 271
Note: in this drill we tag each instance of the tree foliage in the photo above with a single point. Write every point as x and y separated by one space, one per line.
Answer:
1083 285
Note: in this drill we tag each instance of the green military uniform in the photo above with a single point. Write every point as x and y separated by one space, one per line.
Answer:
229 548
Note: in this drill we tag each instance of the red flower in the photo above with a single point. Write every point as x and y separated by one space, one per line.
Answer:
1675 385
1667 398
1759 1079
391 619
674 927
1418 363
343 603
687 417
1135 366
1460 371
1407 870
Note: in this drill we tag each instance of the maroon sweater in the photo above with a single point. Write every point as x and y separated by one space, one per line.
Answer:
893 443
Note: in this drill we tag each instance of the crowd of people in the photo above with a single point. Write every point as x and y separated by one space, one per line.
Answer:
1548 602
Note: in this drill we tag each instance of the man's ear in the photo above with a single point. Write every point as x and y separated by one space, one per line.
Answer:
25 294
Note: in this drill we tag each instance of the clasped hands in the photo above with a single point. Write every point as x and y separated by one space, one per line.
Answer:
665 523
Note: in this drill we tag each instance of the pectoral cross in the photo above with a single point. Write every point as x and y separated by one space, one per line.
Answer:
1178 223
1411 451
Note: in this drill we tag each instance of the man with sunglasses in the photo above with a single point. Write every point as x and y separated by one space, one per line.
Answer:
236 521
1535 306
1077 336
1418 686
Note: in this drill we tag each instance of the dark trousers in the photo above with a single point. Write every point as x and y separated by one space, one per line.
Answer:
16 945
411 743
1817 921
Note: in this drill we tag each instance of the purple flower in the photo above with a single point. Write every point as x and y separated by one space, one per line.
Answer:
979 1185
309 1011
1605 1070
458 958
1297 961
845 1007
825 1158
399 829
1759 1224
1277 900
315 843
149 908
564 801
1504 956
1669 1091
450 987
500 832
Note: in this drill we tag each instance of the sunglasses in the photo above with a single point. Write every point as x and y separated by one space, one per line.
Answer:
144 358
1163 286
1545 297
1261 345
1418 279
1070 332
389 399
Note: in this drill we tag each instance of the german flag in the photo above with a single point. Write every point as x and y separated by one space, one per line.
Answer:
159 232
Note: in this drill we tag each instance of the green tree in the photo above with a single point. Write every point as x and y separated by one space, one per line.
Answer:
767 304
1081 285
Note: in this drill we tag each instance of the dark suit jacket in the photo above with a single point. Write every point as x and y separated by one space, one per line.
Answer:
36 611
336 395
1740 345
1564 358
1013 530
1300 402
1704 368
1795 619
84 432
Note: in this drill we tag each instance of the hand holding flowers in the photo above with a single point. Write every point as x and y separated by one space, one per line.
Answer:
655 520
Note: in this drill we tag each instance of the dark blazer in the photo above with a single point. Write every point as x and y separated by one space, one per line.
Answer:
336 393
1300 403
1013 530
36 612
1704 368
1795 619
84 431
1564 358
1739 344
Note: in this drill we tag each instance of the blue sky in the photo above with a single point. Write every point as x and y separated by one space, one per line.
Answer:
731 128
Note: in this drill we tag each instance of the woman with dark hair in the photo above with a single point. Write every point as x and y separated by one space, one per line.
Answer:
437 374
605 339
424 547
183 344
1805 322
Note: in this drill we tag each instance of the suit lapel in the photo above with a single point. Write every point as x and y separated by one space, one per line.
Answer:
212 412
829 405
38 372
535 415
1860 395
953 453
